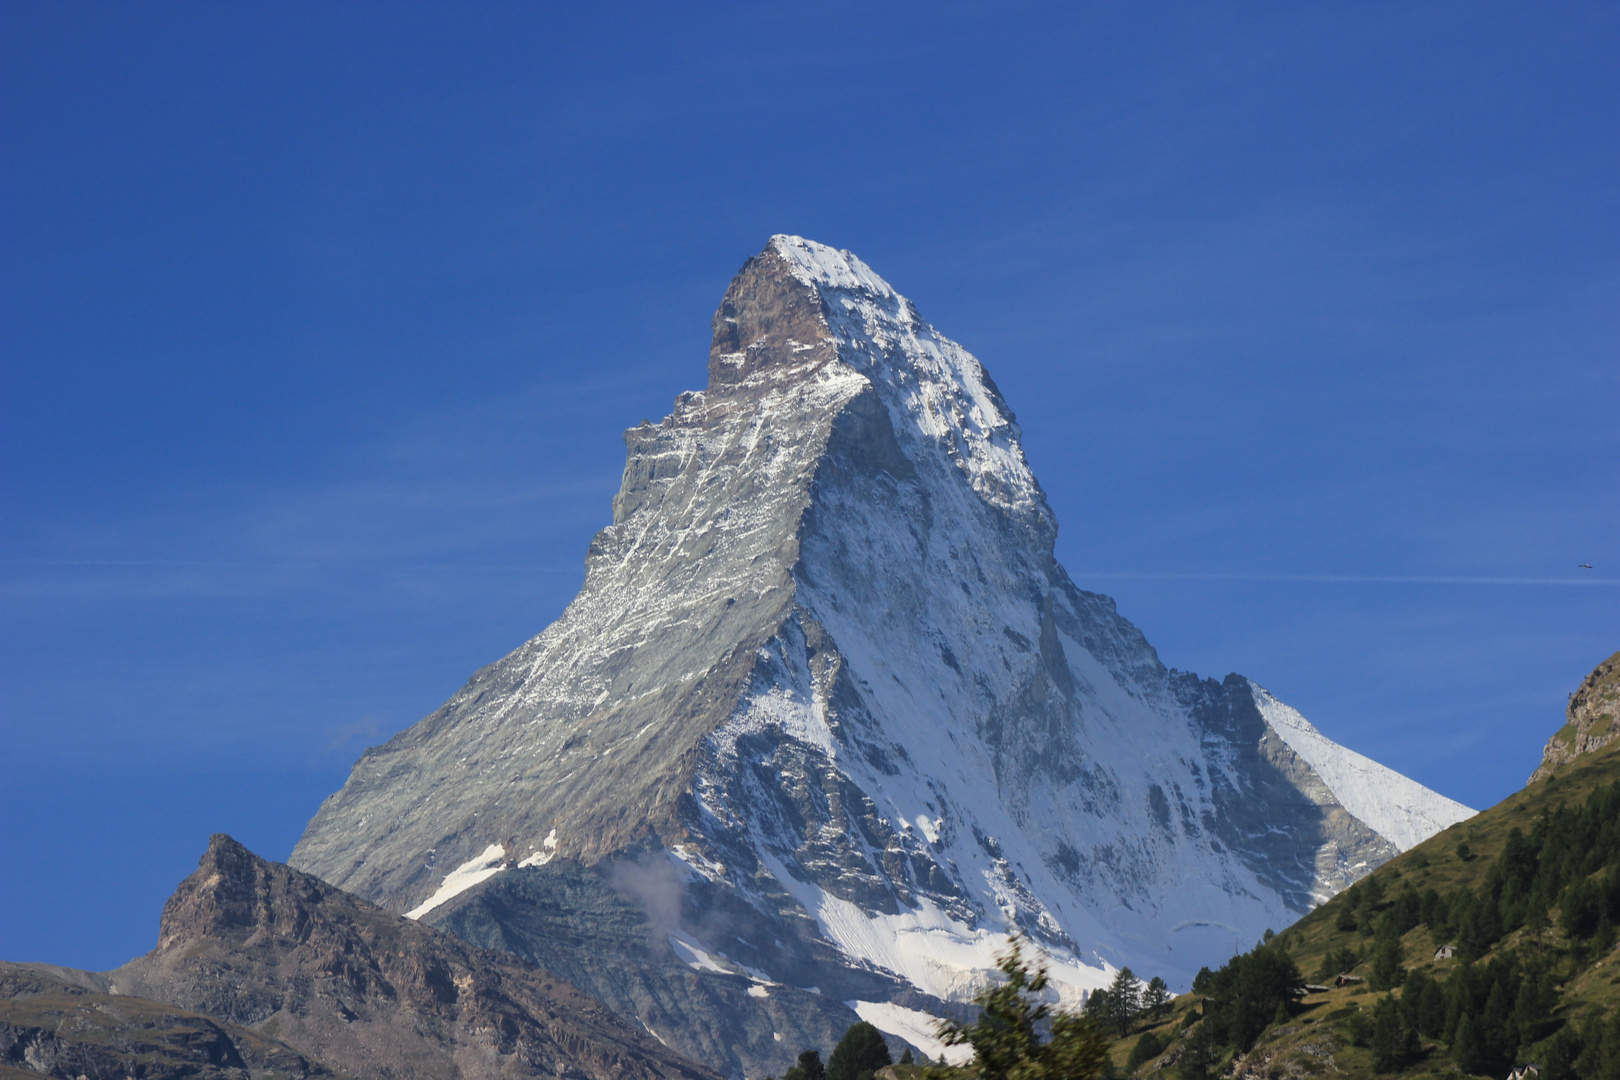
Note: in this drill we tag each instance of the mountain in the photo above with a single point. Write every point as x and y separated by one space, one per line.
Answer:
251 952
1593 720
827 718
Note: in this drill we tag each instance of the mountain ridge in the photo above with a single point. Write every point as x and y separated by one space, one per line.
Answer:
262 970
261 944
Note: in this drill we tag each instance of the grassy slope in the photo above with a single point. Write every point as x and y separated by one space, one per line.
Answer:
1318 1041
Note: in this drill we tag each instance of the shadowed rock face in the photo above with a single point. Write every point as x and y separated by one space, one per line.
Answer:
572 920
1593 720
825 666
260 945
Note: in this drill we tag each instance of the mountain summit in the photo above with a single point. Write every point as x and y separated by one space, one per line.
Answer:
825 676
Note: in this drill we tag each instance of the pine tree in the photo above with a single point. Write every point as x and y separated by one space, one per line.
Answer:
862 1049
1148 1047
905 1057
1466 1050
1601 1058
1538 997
1124 1001
1156 998
1498 1036
1197 1054
1005 1039
1387 1036
808 1068
1387 972
1339 962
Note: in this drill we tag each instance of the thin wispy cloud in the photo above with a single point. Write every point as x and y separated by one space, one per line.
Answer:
1347 579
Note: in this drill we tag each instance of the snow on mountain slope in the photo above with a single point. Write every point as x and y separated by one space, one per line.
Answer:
825 662
1399 809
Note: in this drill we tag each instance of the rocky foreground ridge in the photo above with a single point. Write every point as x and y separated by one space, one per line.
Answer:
827 718
53 1021
263 971
1593 720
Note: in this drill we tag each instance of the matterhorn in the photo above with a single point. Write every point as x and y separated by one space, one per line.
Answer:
827 721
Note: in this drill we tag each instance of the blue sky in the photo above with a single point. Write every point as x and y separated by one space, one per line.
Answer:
320 324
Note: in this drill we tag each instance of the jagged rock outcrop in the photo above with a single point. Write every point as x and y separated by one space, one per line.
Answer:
262 946
825 672
1592 719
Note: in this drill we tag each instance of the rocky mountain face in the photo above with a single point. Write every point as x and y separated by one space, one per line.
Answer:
827 719
591 925
294 962
1592 719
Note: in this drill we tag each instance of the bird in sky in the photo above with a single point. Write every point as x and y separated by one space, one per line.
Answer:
1584 566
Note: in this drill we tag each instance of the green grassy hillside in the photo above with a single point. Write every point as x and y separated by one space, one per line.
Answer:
1527 894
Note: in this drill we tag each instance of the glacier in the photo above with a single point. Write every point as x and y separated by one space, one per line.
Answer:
827 689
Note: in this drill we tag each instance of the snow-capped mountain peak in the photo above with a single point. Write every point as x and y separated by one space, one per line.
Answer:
826 674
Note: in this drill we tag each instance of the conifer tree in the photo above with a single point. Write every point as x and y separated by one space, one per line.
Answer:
1197 1056
1148 1047
1387 1041
1466 1050
862 1049
1124 1001
1387 972
1156 998
808 1068
1005 1039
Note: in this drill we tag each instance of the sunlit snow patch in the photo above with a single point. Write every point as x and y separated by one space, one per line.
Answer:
929 949
694 956
540 858
463 878
917 1028
1399 809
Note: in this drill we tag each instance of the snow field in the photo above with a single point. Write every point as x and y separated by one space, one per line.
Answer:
1399 809
470 873
917 1028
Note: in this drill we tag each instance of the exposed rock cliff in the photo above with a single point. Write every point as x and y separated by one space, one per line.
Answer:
259 945
1592 719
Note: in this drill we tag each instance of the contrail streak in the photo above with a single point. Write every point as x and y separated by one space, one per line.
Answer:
1352 579
327 564
1148 575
